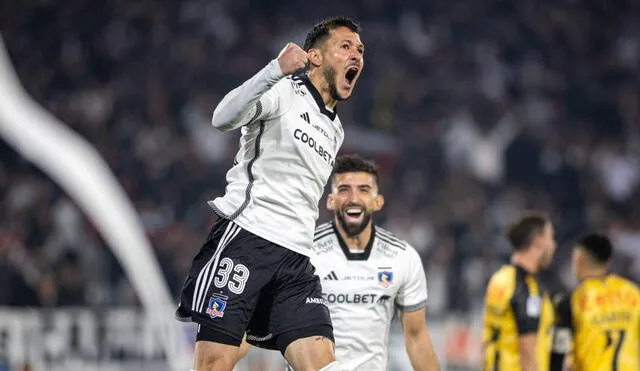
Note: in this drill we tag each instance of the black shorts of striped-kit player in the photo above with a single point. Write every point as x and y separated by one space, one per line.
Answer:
239 282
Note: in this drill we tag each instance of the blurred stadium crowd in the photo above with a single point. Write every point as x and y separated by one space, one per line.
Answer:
474 111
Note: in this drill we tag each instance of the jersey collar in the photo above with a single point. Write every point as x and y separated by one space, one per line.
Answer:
355 256
302 75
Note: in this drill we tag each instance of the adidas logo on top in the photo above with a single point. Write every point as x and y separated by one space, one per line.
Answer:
332 276
305 117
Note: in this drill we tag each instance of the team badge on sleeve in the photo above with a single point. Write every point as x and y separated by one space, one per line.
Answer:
385 278
217 305
533 306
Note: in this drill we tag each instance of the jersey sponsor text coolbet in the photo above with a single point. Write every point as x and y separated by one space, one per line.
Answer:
362 289
287 150
603 317
515 304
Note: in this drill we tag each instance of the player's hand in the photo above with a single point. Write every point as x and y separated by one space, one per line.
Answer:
292 58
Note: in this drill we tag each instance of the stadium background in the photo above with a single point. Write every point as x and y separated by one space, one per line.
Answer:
474 111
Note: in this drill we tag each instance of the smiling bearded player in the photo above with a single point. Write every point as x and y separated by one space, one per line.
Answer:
367 272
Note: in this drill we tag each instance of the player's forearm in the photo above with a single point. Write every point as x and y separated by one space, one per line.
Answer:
528 362
421 353
239 105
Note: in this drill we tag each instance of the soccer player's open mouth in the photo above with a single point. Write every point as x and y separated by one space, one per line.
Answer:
354 214
350 75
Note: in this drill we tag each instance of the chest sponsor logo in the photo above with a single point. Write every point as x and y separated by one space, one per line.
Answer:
358 278
308 140
333 139
356 298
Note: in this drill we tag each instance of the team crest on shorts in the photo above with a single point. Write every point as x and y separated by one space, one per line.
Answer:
385 278
217 305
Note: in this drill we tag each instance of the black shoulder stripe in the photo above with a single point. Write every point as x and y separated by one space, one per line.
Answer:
322 235
322 227
258 111
389 235
397 244
296 77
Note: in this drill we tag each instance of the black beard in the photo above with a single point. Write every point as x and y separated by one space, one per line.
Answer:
353 230
330 76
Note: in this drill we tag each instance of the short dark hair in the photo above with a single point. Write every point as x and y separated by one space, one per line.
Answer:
320 31
597 246
526 228
354 164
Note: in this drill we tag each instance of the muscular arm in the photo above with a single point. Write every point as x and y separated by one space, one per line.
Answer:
243 104
417 341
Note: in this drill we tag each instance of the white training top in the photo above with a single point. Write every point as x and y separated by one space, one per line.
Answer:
362 289
288 146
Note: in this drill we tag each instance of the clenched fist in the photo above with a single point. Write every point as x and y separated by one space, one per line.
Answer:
292 58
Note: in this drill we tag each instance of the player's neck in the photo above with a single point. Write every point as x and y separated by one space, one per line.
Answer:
524 260
358 242
588 273
322 86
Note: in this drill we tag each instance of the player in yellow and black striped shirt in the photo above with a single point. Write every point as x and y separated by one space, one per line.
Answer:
518 315
600 319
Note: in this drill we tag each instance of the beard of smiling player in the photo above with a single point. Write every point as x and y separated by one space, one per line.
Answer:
353 229
330 76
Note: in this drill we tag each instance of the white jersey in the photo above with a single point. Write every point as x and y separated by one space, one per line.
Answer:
287 151
363 289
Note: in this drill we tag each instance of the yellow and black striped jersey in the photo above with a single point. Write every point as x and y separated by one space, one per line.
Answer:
600 322
515 304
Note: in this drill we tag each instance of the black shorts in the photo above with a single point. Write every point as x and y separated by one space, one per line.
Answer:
240 282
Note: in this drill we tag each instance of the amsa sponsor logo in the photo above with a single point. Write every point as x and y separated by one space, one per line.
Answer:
316 301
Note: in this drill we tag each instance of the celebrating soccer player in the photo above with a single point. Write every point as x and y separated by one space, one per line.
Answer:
367 271
518 315
600 320
253 273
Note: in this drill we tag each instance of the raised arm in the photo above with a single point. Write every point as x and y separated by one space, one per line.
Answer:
255 99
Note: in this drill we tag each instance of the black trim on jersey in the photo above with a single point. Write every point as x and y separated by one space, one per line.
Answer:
390 239
390 242
302 76
525 323
322 235
412 308
258 111
247 196
322 227
355 256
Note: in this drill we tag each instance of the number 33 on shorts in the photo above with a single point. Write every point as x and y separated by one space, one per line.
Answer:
239 279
